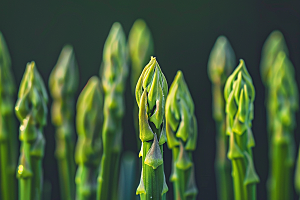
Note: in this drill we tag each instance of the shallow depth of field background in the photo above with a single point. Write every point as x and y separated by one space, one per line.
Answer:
184 34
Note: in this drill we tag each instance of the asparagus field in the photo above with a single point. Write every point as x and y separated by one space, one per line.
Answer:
89 135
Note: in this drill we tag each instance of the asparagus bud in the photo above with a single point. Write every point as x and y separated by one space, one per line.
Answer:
181 129
140 45
114 74
31 110
151 91
220 65
8 133
273 45
239 95
282 105
63 83
89 120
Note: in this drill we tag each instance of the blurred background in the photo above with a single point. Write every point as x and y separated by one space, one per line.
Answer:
184 34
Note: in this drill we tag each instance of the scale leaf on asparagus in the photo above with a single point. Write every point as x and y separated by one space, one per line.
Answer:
89 119
151 91
181 129
8 133
31 110
63 84
220 65
113 72
239 95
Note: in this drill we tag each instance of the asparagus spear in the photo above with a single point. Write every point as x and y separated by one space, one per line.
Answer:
273 45
114 73
31 110
63 83
282 105
239 95
181 128
220 65
89 120
8 133
151 90
140 45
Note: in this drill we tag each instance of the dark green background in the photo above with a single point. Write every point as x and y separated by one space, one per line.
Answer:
183 33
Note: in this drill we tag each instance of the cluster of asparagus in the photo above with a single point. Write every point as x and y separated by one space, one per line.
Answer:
281 102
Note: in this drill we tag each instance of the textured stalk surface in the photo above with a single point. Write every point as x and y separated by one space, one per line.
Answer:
151 90
239 95
181 129
114 74
282 105
220 65
8 133
63 83
140 44
89 119
31 110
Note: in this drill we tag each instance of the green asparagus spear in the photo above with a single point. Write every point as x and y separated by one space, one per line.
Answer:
31 110
8 133
273 45
140 45
89 120
181 129
282 105
151 91
63 83
239 95
114 74
220 65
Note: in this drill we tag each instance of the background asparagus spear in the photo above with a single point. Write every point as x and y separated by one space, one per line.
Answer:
220 65
282 105
181 129
151 90
31 110
8 133
272 46
140 45
89 120
114 73
239 94
63 83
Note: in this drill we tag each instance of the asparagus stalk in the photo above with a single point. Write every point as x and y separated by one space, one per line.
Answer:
220 65
181 129
89 120
63 83
31 110
239 95
8 133
151 90
282 105
140 45
114 73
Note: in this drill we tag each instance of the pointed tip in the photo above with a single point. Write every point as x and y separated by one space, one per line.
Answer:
154 157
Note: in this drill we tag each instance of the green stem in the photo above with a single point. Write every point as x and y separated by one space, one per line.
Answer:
5 176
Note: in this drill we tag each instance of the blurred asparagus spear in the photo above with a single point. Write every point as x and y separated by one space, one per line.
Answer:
181 128
282 105
273 45
31 110
220 65
239 95
151 91
127 176
114 74
8 133
140 45
63 83
89 120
